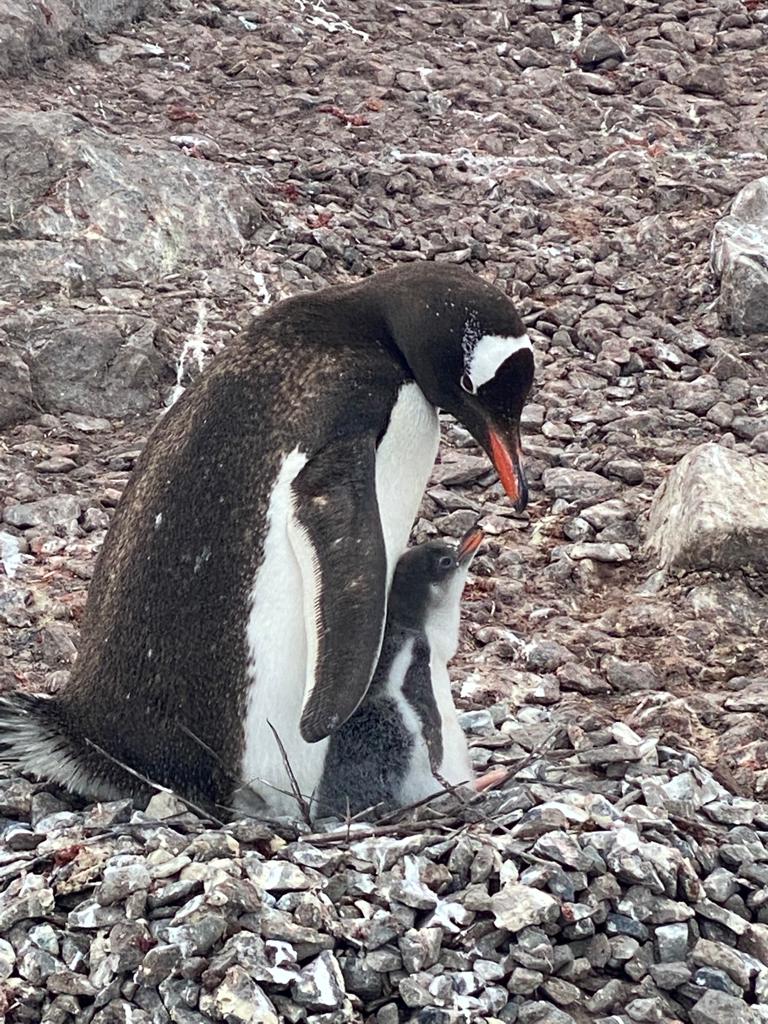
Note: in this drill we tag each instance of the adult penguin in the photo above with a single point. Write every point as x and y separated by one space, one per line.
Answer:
238 603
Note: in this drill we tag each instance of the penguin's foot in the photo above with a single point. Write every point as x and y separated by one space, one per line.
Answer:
490 780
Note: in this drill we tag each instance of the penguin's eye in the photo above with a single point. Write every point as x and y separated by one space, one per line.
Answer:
445 563
467 385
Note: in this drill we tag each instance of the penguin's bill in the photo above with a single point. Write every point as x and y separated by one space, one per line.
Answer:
505 455
468 545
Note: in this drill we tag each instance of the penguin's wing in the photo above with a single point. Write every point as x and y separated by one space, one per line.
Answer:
419 691
336 536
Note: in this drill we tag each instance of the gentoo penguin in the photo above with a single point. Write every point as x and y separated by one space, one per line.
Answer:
240 594
405 738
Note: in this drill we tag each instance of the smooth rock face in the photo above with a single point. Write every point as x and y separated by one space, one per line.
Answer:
597 49
31 31
740 260
712 512
579 486
115 211
58 510
718 1007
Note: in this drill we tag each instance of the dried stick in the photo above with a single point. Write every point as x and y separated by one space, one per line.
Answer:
409 828
193 736
248 782
399 811
296 792
155 785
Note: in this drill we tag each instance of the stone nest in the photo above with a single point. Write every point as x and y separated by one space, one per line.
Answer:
609 879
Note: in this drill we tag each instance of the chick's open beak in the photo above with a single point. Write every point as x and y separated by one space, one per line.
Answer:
468 545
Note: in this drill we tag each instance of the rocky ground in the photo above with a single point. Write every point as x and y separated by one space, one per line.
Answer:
162 181
611 880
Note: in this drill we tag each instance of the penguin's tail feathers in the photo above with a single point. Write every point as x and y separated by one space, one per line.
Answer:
33 740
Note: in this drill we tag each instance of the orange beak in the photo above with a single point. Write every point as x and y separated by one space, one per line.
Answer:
509 467
469 544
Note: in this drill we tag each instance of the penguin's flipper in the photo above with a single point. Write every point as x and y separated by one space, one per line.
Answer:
418 690
336 536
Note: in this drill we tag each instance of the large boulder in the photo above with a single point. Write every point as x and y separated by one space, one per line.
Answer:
712 512
740 260
81 210
31 31
69 360
80 213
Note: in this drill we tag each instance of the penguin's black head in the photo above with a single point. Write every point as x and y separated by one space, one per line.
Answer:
469 352
429 580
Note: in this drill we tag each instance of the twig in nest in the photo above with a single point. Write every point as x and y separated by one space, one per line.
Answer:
449 787
401 829
206 815
473 801
537 751
369 813
348 820
230 775
247 783
366 815
399 811
270 785
297 794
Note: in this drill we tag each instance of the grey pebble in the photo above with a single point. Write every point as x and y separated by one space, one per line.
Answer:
718 1007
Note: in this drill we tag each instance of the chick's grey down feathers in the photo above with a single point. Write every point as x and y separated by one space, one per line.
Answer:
368 757
371 756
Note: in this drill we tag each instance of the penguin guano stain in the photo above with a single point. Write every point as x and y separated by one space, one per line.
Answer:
296 462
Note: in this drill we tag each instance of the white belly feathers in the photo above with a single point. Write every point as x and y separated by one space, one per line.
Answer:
278 633
277 647
404 461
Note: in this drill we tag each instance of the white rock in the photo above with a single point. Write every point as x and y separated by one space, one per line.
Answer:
277 875
320 985
517 906
240 1000
739 254
164 805
601 552
712 512
7 959
11 552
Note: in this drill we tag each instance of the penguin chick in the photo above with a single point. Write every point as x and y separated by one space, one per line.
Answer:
405 737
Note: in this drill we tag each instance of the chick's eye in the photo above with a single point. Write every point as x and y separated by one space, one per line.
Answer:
446 562
467 385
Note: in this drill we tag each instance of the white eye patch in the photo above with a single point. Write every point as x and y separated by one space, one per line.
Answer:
490 352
